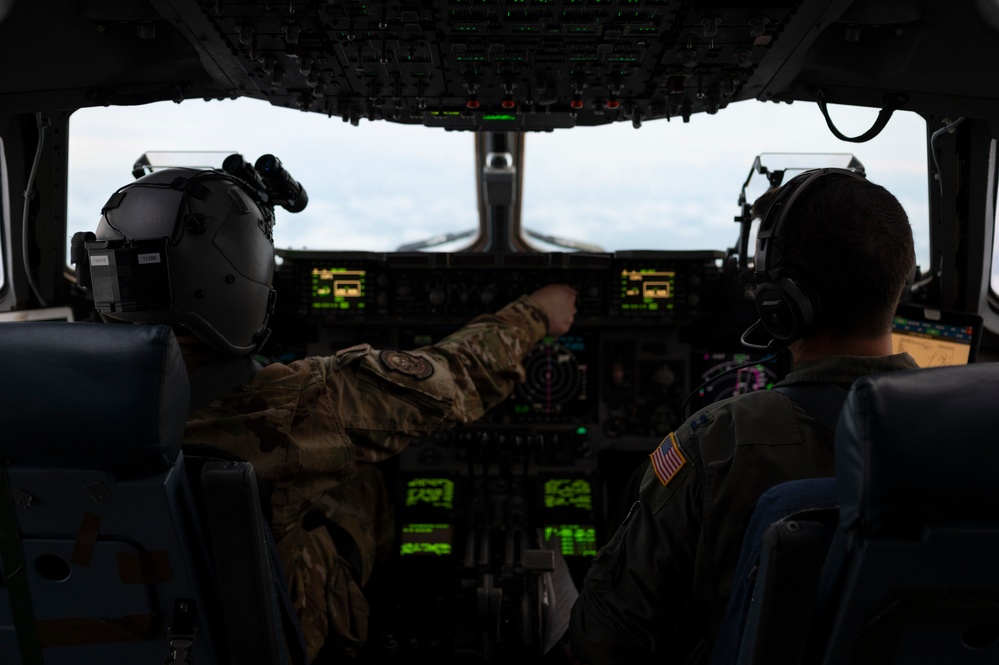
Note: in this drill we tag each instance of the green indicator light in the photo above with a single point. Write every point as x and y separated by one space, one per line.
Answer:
581 430
436 492
498 116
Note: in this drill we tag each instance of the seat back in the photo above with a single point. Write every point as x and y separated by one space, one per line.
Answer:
910 574
112 549
776 578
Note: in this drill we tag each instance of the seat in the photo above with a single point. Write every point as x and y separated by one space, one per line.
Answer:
115 546
910 575
777 574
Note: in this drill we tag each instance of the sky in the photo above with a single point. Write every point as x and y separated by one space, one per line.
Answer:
667 185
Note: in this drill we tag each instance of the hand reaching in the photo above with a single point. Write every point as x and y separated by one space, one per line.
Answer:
559 303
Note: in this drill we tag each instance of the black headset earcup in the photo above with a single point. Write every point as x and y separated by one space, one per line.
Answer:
786 309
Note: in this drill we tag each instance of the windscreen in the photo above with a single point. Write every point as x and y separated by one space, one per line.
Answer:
380 186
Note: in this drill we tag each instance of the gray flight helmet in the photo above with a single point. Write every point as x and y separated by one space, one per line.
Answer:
189 248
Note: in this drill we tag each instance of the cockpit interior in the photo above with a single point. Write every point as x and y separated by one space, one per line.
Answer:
482 511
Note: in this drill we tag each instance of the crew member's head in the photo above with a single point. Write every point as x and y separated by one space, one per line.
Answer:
189 248
834 254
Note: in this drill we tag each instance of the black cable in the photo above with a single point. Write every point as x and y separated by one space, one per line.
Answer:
29 194
889 104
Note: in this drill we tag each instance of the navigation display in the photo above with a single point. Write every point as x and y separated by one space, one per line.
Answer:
721 374
934 338
648 289
433 492
574 539
426 538
337 288
568 515
568 493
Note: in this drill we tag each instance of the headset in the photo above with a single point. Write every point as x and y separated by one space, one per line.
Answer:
787 306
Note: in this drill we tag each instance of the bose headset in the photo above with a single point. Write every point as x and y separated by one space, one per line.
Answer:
787 306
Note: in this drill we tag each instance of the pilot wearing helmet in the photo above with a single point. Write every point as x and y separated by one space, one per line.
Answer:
194 249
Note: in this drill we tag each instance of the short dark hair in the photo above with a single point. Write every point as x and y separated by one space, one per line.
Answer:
849 242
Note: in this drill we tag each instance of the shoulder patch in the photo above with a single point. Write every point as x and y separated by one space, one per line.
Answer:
700 421
407 363
667 459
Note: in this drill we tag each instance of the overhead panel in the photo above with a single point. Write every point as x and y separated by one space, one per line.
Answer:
496 64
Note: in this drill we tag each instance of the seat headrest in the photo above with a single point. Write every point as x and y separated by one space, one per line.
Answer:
91 396
917 446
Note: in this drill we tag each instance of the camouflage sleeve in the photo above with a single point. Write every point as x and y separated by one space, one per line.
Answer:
386 398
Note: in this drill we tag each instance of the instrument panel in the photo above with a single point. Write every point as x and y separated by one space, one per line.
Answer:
483 511
362 286
650 327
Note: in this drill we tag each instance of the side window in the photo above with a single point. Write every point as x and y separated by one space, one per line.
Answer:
4 216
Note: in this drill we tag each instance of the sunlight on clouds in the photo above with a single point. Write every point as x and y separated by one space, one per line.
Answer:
668 185
676 185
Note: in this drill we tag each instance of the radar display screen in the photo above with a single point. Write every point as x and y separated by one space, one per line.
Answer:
426 538
573 539
556 383
432 492
648 290
337 288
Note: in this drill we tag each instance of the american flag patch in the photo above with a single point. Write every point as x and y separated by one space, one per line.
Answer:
667 459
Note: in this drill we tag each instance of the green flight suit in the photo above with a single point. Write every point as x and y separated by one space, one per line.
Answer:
657 592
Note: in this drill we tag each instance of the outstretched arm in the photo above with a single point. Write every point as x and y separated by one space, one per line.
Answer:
558 301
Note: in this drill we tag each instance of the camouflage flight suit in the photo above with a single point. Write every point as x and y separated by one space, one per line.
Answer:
309 426
657 592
